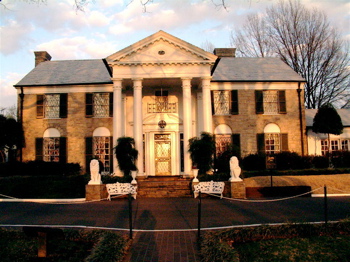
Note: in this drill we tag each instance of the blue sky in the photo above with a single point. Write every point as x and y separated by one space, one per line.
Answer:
107 26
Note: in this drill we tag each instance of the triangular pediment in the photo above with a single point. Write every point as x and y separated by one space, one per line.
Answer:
161 48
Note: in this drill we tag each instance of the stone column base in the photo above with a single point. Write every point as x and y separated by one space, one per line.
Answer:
237 189
95 192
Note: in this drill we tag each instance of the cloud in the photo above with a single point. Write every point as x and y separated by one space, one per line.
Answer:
14 36
8 94
78 47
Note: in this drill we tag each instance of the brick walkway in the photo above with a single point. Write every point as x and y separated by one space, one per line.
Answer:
164 246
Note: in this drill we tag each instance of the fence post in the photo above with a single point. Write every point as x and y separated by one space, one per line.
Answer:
199 215
130 216
325 205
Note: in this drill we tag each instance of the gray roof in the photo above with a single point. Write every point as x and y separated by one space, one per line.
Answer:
343 113
67 72
249 69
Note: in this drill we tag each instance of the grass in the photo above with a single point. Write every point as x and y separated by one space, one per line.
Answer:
336 184
75 246
294 242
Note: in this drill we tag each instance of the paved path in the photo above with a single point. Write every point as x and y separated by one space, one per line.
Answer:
171 213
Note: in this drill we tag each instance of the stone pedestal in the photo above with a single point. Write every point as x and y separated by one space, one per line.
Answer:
95 192
237 189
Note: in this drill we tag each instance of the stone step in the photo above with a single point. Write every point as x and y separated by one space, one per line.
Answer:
167 188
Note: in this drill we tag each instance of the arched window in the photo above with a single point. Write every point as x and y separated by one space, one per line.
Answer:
100 146
272 139
51 147
225 140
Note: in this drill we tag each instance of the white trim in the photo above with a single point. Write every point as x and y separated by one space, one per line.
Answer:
52 132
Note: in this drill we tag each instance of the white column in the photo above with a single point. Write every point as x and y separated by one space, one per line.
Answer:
117 119
207 114
138 123
187 121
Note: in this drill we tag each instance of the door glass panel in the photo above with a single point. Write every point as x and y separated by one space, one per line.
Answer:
162 147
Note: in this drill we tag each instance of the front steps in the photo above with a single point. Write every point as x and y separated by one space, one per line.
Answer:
164 186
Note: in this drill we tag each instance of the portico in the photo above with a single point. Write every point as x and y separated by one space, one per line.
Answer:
161 98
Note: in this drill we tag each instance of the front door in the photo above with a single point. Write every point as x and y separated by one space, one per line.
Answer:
162 148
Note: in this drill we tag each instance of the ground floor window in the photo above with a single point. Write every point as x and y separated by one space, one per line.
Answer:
222 143
336 145
51 149
101 150
272 143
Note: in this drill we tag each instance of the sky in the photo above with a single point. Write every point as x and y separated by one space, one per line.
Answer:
107 26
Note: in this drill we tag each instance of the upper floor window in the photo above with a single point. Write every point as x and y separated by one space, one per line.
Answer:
51 106
161 104
225 102
270 102
99 104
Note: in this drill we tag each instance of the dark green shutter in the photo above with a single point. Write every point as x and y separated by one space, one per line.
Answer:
236 142
284 142
39 141
111 104
282 102
111 154
212 103
234 102
260 143
259 102
63 150
63 105
89 105
40 106
88 153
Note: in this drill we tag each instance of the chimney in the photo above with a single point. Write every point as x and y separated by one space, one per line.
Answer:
41 56
225 52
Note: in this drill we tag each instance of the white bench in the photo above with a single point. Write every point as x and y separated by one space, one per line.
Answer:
209 187
121 189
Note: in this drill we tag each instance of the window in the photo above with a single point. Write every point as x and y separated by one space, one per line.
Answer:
336 145
225 102
99 104
161 104
100 147
225 140
270 102
51 147
101 150
51 106
272 143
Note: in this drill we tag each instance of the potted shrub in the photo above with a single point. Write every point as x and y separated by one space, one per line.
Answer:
126 155
201 152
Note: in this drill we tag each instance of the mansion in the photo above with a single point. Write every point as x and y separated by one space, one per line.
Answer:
161 91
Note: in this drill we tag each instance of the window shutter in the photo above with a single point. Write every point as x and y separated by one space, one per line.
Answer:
236 142
212 103
63 150
111 104
40 106
88 152
259 102
111 155
234 102
89 105
282 102
284 142
261 143
63 105
39 148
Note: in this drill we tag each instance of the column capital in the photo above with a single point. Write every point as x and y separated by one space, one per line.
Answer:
117 83
186 82
137 82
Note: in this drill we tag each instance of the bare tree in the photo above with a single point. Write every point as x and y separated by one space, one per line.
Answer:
304 40
208 46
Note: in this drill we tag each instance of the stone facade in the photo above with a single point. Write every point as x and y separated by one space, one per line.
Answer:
137 78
